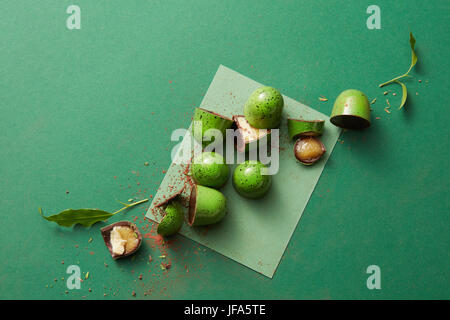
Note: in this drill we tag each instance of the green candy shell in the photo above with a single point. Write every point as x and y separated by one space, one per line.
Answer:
206 206
248 180
299 127
264 108
351 110
210 170
209 120
173 219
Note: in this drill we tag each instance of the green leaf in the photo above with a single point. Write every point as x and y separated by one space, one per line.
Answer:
412 42
404 95
85 217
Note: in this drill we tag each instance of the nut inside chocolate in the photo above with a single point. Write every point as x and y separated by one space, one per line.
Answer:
121 238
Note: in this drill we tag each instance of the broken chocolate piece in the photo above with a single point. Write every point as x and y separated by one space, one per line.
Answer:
249 137
121 238
300 127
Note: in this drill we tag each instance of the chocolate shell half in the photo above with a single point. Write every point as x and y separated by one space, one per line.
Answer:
206 206
351 110
129 233
249 137
204 120
300 127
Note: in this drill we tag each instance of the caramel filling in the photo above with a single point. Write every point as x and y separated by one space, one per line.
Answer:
308 149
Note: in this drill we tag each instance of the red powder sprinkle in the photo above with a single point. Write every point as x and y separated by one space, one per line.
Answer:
159 240
170 81
91 253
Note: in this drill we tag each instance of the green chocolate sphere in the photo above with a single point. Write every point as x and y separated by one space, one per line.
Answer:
248 180
264 107
210 170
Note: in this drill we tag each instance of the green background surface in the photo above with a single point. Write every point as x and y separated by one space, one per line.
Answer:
83 110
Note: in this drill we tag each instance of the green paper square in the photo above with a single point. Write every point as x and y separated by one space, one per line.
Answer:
254 233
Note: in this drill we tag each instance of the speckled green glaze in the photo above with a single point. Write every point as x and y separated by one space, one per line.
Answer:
299 127
210 170
351 110
209 120
206 206
173 219
264 108
248 180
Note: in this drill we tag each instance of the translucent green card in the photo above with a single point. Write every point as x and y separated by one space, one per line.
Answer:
254 233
